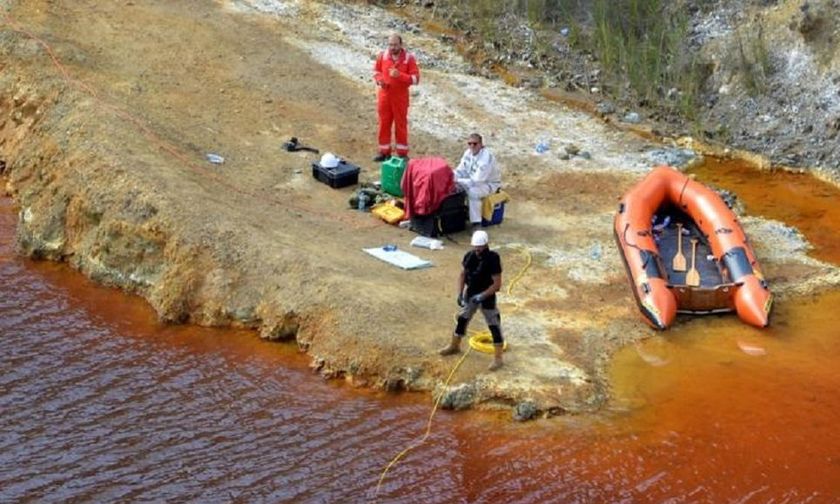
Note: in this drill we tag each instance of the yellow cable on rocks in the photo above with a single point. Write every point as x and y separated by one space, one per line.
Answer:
428 425
481 341
527 254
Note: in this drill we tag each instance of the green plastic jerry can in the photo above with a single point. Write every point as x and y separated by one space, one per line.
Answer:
391 175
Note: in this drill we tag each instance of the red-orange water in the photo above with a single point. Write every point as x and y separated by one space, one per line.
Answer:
100 403
797 199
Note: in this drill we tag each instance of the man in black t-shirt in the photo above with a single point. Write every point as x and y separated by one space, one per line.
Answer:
481 274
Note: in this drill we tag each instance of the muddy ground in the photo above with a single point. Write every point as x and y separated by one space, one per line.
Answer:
107 111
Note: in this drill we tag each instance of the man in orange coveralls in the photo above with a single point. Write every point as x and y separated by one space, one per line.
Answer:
394 71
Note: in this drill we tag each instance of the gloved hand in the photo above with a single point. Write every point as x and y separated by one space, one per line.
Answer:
461 300
477 299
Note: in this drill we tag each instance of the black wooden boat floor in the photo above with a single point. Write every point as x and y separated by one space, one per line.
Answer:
667 240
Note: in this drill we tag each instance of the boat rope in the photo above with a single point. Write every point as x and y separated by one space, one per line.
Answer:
480 341
626 227
682 191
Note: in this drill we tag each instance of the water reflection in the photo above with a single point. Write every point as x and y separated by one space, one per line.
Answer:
101 403
757 408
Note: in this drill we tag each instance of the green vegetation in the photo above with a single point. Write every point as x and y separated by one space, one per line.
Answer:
639 46
642 47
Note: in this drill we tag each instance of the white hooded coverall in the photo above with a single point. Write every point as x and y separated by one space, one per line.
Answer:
480 176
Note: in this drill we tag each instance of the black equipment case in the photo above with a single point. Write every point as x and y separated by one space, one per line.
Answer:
451 217
344 174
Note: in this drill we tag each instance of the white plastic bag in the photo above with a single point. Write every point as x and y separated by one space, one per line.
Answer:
429 243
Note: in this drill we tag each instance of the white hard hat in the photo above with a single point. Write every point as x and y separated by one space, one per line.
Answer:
329 160
479 238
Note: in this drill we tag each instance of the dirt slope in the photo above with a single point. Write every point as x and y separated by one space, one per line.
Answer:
108 110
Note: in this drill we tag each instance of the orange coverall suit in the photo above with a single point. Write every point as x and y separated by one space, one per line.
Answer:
392 102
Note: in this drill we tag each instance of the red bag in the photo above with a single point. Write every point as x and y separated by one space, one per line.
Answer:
425 184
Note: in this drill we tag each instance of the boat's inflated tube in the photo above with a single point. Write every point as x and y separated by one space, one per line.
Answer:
664 185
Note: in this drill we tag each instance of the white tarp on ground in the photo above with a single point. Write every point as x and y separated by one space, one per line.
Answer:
398 258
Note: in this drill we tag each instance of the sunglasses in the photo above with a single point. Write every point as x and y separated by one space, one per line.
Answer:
472 143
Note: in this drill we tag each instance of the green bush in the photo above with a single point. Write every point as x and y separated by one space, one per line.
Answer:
640 45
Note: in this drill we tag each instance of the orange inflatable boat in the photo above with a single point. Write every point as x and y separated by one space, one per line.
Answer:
685 252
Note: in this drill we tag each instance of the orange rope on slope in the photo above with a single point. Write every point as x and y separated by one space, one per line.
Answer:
168 147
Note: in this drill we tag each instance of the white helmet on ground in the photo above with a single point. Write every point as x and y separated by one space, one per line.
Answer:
329 160
479 238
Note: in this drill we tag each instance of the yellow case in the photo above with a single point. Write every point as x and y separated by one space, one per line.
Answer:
388 213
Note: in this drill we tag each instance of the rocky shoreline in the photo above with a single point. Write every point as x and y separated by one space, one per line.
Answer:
790 117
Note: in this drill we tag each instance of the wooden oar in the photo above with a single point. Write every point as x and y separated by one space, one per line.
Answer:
692 278
679 259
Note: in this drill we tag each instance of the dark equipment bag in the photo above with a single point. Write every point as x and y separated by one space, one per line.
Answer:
451 217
